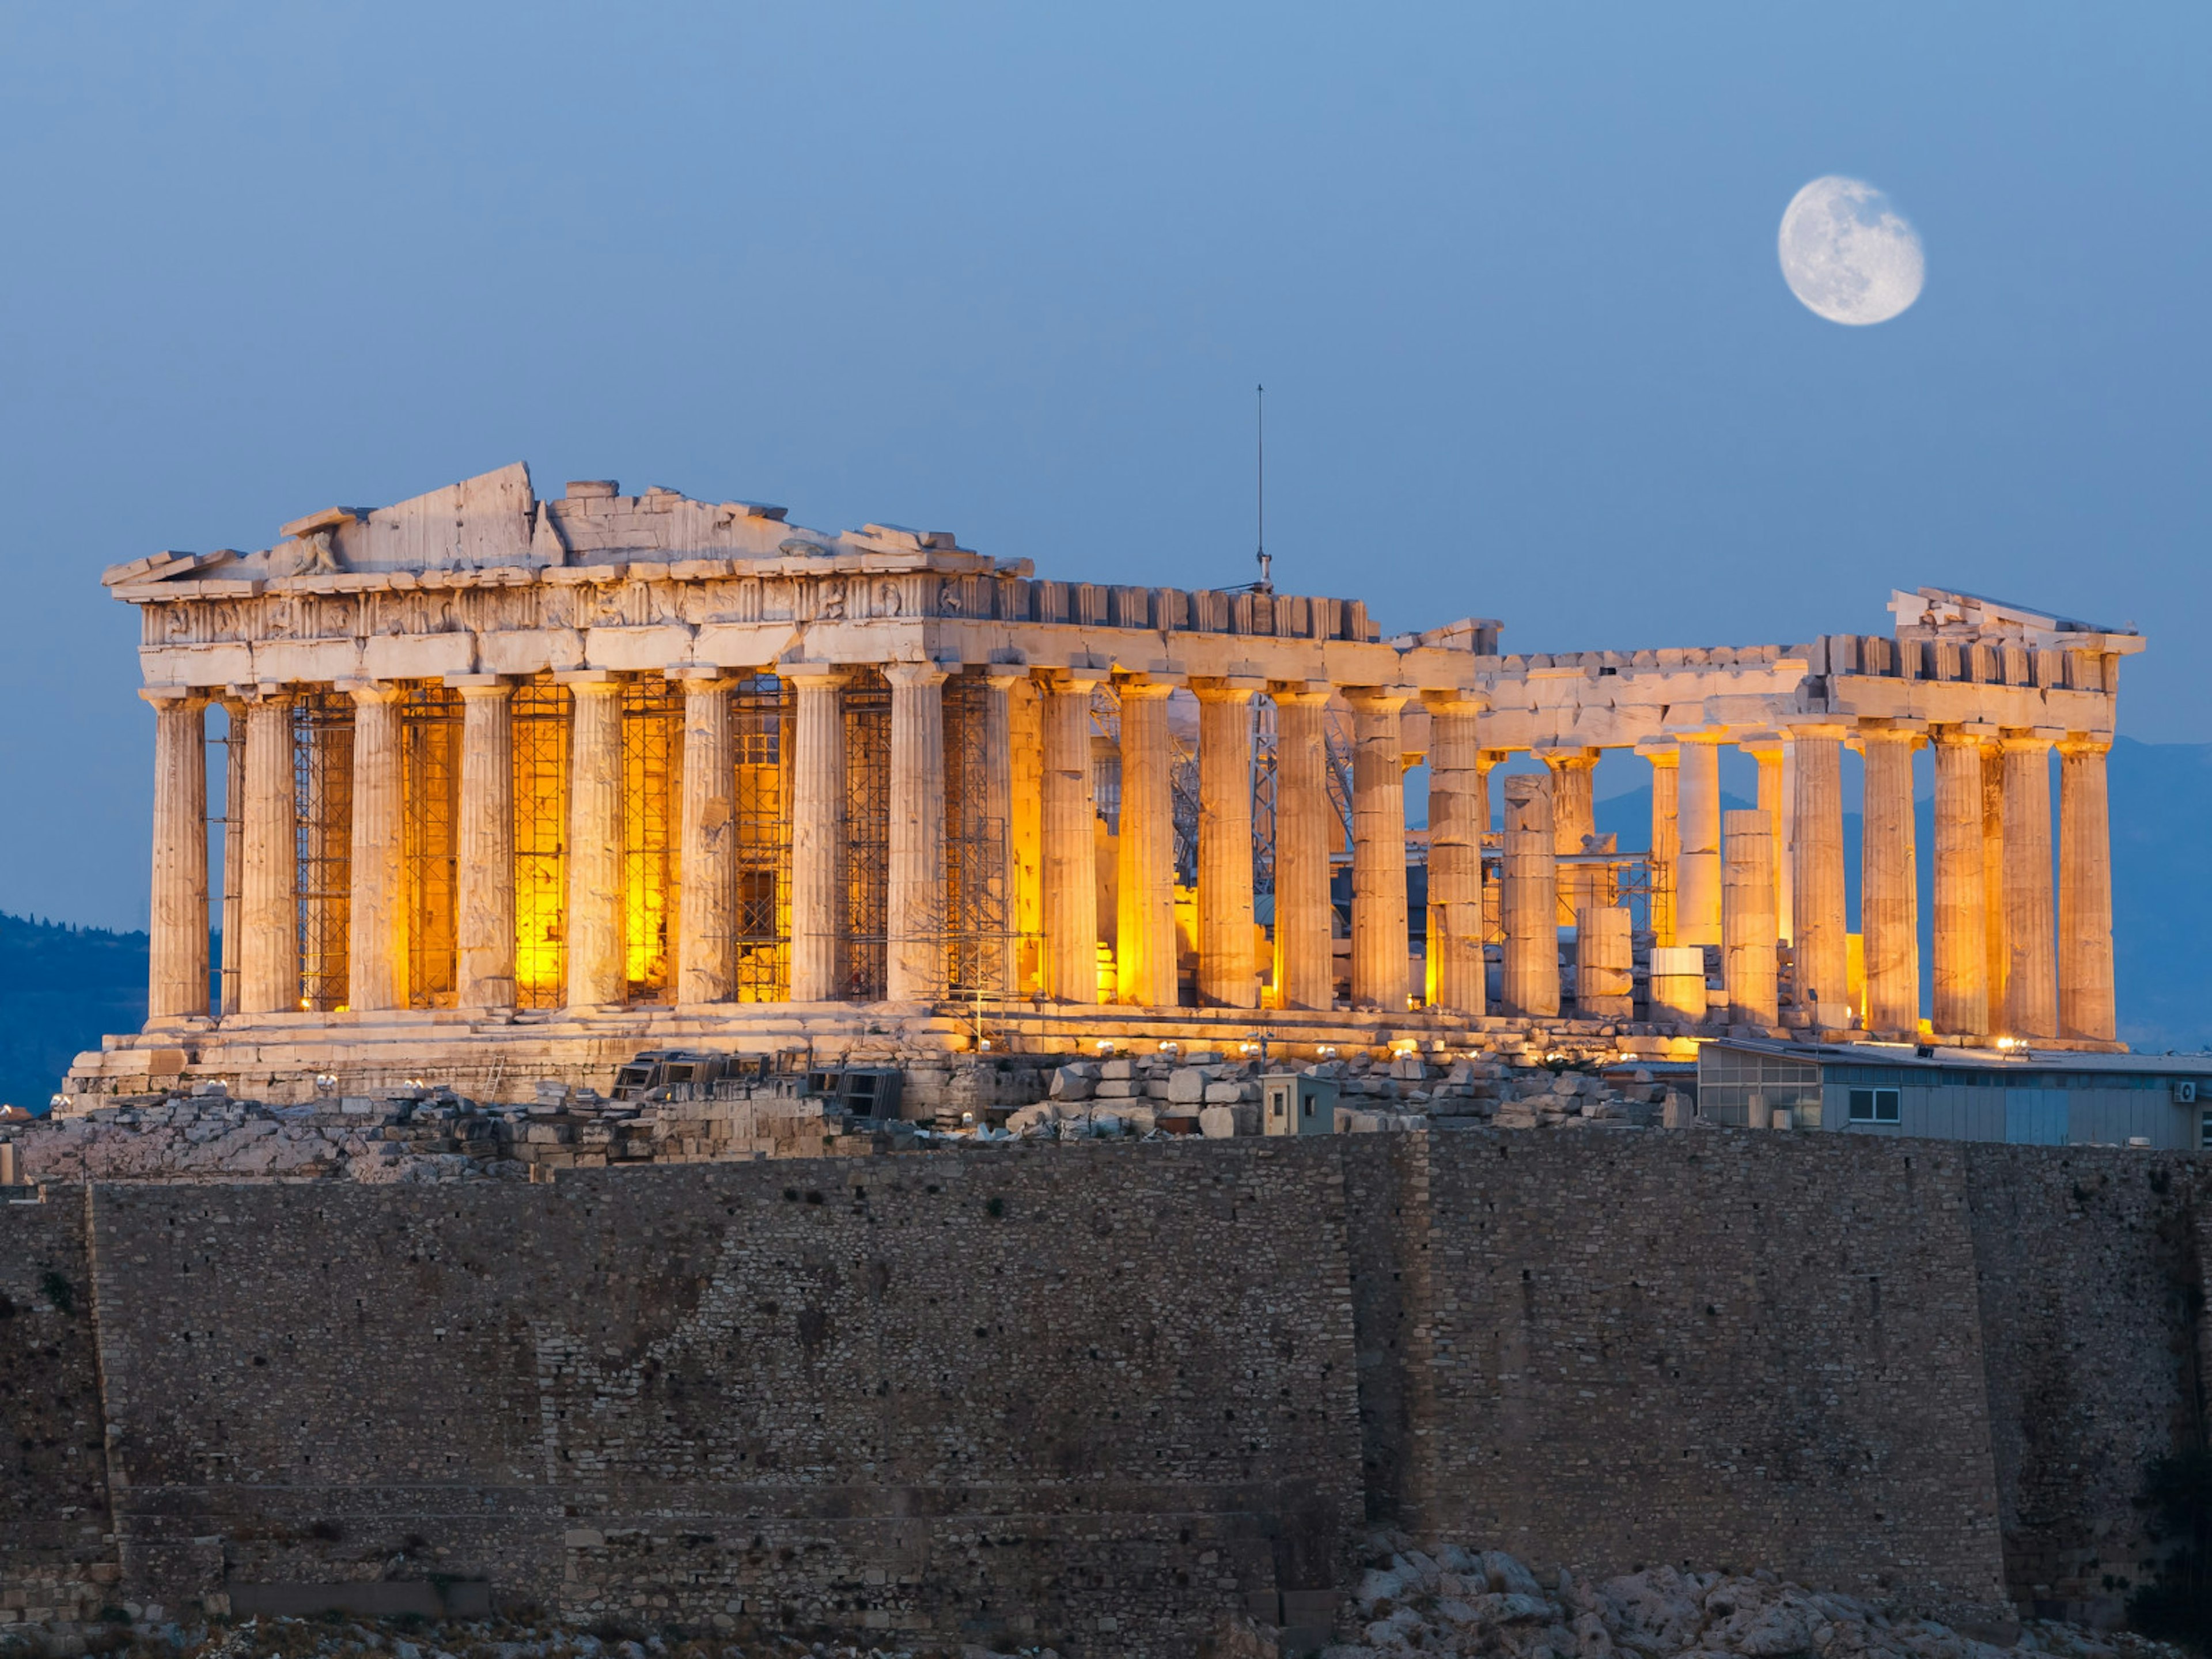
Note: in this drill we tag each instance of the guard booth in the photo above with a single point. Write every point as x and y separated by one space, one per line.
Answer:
1292 1104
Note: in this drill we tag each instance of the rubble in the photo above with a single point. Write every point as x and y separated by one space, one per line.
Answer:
1450 1601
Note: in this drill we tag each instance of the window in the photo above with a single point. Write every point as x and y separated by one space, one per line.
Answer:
1874 1106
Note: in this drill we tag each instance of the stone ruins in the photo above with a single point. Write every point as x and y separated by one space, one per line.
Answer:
516 787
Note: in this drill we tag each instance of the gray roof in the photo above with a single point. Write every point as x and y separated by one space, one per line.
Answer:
1941 1058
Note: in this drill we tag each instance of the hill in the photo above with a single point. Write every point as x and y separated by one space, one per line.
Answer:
60 989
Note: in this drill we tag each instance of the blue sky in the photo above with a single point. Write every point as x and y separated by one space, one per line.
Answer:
1509 274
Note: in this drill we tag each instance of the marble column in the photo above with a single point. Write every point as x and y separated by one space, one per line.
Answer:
1605 963
916 964
1381 944
1665 837
1993 867
1025 832
1493 914
597 975
1961 963
1698 861
1530 900
1458 814
177 918
2031 974
233 850
1305 962
1574 827
1889 902
1748 929
1820 933
2086 1008
376 928
818 835
269 862
997 760
1144 927
1228 971
1070 856
483 905
1772 755
707 897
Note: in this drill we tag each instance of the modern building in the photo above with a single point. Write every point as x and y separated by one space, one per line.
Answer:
514 787
2020 1095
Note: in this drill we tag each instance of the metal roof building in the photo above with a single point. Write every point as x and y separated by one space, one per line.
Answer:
2020 1095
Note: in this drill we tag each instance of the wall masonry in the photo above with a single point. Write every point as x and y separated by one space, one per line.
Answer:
1095 1395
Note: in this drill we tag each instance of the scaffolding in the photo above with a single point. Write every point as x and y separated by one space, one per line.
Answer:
541 821
322 775
430 771
763 712
652 802
1264 777
866 703
978 937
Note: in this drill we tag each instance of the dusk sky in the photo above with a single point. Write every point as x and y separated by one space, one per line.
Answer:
1509 276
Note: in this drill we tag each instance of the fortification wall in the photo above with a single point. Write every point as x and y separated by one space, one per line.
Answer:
1094 1395
2092 1279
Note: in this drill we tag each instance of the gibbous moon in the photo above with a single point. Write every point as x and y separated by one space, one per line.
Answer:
1848 254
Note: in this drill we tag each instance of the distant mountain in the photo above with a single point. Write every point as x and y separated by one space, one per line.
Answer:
60 989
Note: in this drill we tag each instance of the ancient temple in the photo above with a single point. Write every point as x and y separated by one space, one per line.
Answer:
513 786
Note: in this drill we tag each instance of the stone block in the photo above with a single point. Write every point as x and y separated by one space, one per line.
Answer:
1223 1094
1075 1082
1187 1086
1217 1123
1115 1088
1117 1071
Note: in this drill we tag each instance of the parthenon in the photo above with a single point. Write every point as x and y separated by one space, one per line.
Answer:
513 785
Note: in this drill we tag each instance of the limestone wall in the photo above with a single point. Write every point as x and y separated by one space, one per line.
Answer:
1093 1395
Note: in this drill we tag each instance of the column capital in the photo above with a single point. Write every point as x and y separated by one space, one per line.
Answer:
2084 743
1069 679
1004 677
1714 739
1833 730
170 696
1967 734
255 692
687 674
1305 694
913 674
1873 733
1455 699
1661 752
481 688
368 693
1762 743
577 679
816 674
2028 739
1143 688
1378 699
1566 758
1484 759
1235 688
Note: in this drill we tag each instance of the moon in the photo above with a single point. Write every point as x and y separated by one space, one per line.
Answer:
1848 254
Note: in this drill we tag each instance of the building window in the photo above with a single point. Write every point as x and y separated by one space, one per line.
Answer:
1874 1105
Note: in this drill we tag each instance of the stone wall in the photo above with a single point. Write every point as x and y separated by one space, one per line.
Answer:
1093 1394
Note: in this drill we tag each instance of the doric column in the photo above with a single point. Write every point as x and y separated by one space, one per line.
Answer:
1698 861
376 925
1821 936
1458 800
483 906
1380 941
1530 900
597 973
915 964
997 762
1493 912
1228 974
706 896
1574 828
817 835
2032 975
1025 832
1666 836
2086 1008
1145 929
1993 868
1070 875
233 850
1769 750
1305 963
269 867
1605 962
1747 934
177 917
1889 902
1961 1003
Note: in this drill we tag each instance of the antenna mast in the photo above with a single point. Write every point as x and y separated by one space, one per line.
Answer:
1265 585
